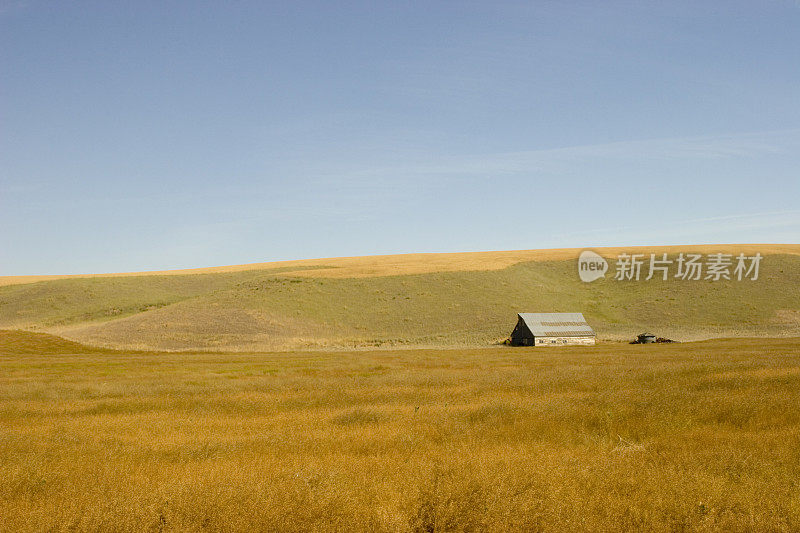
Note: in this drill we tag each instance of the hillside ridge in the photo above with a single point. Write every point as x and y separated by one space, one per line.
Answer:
415 300
418 263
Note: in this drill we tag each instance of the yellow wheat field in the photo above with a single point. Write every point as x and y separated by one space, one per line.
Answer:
700 436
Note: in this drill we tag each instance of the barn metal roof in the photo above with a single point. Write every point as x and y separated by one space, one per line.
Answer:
557 324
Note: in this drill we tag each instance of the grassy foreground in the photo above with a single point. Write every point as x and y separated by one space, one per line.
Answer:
702 436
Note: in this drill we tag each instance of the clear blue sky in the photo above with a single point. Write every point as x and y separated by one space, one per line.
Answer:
150 135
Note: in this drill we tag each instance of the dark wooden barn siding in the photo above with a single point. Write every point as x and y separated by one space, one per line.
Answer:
522 336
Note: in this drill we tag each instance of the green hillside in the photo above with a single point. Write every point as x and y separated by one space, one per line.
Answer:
274 309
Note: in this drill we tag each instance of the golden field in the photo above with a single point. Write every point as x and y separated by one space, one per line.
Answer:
697 436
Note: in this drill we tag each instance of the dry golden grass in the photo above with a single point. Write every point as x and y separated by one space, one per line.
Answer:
701 436
391 265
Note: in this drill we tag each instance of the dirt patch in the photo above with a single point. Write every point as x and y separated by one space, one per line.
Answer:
185 326
787 317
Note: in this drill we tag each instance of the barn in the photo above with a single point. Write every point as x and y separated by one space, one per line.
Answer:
551 329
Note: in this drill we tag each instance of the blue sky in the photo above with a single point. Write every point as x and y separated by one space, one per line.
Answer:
152 135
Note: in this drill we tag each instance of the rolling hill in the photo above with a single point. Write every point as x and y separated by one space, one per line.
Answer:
467 299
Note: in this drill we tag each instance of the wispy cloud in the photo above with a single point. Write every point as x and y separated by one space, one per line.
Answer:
746 145
729 228
7 6
741 221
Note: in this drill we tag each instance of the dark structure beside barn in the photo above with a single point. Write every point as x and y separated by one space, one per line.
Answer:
649 338
551 329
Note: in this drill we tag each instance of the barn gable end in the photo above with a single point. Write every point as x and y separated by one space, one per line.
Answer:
552 329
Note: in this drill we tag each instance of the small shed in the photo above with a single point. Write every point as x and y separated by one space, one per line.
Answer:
552 329
645 338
